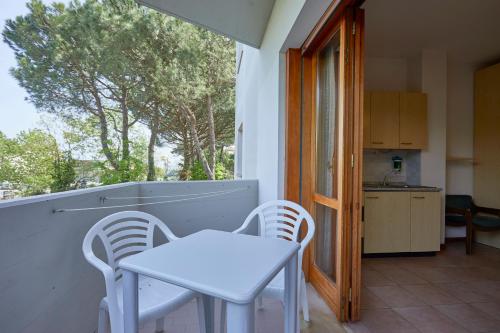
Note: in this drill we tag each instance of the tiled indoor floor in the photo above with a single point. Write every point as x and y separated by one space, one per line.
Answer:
449 292
268 320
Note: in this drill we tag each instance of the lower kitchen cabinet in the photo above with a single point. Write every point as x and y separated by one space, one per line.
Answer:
425 221
387 222
401 222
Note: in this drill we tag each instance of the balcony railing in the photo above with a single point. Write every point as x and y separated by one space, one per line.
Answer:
45 283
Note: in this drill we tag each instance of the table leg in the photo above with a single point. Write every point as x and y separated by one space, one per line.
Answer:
209 308
240 318
291 304
130 302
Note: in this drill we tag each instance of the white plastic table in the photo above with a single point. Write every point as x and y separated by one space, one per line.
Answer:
233 267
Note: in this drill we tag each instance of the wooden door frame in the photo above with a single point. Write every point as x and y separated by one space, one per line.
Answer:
300 101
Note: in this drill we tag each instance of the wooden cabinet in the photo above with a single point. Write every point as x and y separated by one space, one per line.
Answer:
395 120
412 120
387 222
401 222
425 216
487 138
384 120
366 120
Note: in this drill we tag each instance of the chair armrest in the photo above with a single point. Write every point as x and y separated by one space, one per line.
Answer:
167 232
487 210
241 229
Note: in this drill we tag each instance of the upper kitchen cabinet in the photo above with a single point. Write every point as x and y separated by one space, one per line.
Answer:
384 120
395 120
412 120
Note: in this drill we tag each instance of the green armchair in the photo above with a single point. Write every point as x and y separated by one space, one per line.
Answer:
461 211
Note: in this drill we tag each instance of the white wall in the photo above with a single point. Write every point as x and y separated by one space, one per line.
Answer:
460 133
259 93
47 286
434 84
386 74
257 96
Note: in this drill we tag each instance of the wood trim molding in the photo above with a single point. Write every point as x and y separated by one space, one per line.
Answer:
356 245
293 136
325 24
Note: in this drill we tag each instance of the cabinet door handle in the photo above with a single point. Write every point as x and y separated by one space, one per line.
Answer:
418 197
406 143
377 142
372 197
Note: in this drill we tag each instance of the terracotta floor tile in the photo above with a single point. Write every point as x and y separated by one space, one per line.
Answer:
490 308
432 274
449 292
464 291
400 275
490 273
370 301
469 317
381 321
429 320
374 278
492 288
395 296
465 274
431 295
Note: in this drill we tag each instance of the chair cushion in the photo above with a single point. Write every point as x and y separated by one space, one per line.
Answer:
459 201
487 221
456 219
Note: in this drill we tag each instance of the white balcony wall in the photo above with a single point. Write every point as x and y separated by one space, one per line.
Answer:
46 286
260 100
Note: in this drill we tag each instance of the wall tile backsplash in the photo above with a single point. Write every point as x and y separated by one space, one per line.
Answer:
378 163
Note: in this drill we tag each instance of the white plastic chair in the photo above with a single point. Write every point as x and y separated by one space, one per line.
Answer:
281 219
123 234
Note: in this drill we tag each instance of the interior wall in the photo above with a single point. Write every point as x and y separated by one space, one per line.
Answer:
433 159
385 74
460 133
460 123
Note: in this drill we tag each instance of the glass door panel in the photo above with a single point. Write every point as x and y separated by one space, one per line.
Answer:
326 229
327 118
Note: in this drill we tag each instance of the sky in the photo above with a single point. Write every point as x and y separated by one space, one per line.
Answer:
17 114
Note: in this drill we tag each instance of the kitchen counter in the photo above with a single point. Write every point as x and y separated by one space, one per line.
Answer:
399 188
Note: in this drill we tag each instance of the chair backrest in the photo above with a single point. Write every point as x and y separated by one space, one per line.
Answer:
282 219
122 234
460 201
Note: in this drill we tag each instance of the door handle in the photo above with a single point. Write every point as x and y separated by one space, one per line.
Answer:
418 197
406 143
377 142
372 197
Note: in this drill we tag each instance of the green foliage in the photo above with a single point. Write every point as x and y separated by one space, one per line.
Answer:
64 174
28 161
136 168
197 173
8 149
104 66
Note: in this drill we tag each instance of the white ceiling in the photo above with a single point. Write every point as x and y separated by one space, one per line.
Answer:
242 20
469 30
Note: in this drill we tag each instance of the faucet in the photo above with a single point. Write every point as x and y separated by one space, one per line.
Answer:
385 182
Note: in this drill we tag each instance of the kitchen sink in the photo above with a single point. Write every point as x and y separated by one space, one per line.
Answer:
380 185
